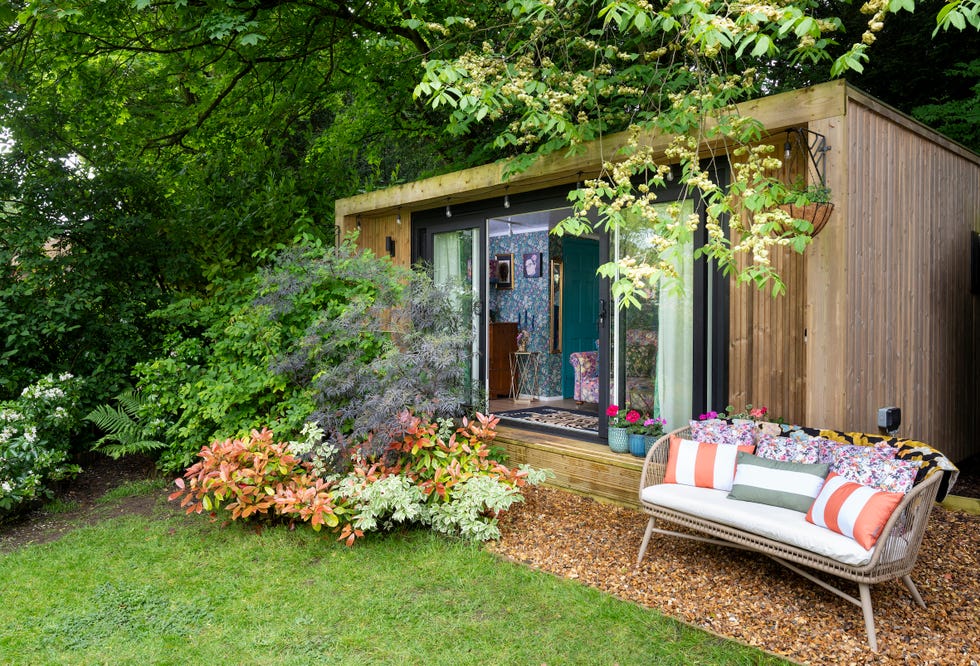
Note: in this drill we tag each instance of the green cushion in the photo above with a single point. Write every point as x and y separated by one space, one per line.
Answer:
786 484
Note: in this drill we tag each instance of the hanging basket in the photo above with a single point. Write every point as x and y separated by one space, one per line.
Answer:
816 214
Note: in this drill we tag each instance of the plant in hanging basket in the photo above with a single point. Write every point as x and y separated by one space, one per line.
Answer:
811 203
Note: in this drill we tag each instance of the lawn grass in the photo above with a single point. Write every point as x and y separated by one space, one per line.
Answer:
174 590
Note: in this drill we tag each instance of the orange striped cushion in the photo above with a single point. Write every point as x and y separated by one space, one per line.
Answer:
856 511
700 464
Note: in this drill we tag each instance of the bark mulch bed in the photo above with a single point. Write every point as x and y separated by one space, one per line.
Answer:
751 599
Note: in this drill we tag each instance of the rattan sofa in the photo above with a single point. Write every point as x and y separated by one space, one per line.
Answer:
893 556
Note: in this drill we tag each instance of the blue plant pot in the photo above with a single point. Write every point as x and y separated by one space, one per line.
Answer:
648 442
637 444
619 440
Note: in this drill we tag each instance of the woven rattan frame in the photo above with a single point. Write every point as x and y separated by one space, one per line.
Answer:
894 555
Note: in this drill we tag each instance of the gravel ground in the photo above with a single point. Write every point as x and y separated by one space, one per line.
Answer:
749 598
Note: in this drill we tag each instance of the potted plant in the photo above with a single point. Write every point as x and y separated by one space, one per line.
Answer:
812 203
653 429
634 424
618 436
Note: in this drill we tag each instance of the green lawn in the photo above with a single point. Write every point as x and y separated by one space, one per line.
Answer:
170 590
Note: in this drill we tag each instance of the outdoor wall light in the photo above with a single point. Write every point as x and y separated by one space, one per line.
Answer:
398 217
506 199
390 246
449 210
816 149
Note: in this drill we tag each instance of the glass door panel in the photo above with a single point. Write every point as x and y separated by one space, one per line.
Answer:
654 354
455 261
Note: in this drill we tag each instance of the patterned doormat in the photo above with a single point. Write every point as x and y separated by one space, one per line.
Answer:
574 419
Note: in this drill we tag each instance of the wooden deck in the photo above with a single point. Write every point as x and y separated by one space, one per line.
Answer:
580 467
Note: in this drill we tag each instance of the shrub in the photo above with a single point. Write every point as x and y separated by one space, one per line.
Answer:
35 434
450 485
242 476
329 335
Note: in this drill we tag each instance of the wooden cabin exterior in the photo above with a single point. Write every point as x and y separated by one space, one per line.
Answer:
878 310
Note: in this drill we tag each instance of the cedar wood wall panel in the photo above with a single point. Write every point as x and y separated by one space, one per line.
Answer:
374 230
913 337
767 361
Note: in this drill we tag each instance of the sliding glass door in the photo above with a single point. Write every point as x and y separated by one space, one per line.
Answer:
456 260
654 354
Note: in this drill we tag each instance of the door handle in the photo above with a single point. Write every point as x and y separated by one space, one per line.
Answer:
602 312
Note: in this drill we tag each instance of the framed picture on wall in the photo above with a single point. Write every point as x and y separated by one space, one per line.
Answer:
532 265
505 271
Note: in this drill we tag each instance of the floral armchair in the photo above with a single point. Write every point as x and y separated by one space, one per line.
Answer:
586 365
641 355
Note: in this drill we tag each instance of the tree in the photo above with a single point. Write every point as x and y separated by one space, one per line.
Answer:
152 146
566 72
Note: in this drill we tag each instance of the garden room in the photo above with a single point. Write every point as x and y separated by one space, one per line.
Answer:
550 348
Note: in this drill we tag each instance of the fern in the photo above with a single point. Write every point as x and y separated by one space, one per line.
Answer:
126 434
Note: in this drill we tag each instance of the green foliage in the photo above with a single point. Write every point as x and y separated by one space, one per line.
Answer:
330 335
954 116
254 477
446 481
802 194
82 264
127 432
566 73
34 440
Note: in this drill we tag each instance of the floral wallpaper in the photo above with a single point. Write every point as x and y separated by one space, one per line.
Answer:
527 303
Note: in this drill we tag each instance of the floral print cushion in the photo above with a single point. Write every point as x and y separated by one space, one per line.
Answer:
717 431
785 449
931 461
870 466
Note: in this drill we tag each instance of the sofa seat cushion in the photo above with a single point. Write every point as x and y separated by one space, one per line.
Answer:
773 522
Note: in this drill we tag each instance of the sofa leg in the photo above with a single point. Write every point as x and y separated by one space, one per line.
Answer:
646 540
907 579
869 618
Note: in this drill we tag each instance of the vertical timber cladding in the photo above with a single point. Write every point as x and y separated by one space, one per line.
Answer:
912 341
767 363
376 229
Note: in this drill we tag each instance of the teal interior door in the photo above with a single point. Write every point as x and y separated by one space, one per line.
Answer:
580 300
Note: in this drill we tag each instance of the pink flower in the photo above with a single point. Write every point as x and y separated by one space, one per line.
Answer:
612 410
650 422
632 416
758 413
709 415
